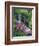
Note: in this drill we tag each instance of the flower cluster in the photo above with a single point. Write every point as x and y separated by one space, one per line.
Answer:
21 26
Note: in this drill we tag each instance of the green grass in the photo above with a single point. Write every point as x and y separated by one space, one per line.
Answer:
18 33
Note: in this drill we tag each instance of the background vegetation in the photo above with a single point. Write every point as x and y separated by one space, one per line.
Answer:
27 13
